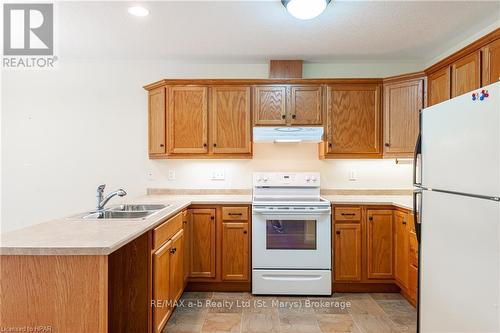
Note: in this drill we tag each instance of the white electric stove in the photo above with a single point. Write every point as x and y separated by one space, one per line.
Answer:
291 237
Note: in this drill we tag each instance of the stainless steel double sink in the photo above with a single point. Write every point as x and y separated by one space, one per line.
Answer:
128 211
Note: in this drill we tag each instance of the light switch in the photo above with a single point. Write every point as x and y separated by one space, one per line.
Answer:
353 175
171 174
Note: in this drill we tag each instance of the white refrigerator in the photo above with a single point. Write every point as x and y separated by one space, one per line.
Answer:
457 175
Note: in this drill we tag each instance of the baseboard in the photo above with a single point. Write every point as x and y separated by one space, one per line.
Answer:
219 286
349 287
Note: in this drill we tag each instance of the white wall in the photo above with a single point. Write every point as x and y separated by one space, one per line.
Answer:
67 130
370 174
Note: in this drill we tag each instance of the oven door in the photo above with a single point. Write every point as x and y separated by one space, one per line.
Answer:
291 240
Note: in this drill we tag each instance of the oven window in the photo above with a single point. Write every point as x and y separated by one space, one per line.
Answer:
291 234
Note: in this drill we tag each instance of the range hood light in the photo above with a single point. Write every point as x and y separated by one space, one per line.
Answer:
305 9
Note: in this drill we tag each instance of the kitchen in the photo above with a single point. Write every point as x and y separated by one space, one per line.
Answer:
248 183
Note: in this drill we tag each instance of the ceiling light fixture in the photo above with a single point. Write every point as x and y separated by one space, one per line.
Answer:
305 9
138 11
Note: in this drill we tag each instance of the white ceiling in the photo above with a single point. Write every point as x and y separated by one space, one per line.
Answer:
256 31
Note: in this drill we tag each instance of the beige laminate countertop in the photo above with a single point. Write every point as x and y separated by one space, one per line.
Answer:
73 236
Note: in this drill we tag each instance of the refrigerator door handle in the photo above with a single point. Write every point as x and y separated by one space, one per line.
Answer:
418 152
417 206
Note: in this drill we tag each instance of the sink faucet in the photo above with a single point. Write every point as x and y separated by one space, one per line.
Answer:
101 202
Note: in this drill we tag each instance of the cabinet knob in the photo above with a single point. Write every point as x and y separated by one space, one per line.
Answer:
162 145
283 116
330 144
370 218
212 217
215 145
245 232
387 144
404 222
205 145
337 232
294 116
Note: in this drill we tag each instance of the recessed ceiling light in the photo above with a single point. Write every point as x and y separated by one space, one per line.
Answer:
138 11
305 9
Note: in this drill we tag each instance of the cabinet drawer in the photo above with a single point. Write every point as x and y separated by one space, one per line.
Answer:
235 213
413 249
166 230
347 214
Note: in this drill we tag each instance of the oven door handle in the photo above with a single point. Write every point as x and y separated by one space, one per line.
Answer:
291 211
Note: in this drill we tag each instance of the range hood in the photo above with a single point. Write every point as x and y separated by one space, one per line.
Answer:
287 134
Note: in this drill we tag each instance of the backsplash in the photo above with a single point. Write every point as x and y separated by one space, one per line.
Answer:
237 174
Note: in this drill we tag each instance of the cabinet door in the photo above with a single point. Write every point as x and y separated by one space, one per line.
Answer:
401 247
235 251
231 125
203 243
439 86
269 105
402 102
177 266
305 106
161 286
186 226
354 117
466 74
187 118
156 121
379 244
491 63
347 244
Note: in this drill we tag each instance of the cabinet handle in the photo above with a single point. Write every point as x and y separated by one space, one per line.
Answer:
337 232
387 144
370 218
294 116
330 144
185 222
215 145
235 214
283 116
212 217
245 232
205 145
173 250
348 214
404 222
162 145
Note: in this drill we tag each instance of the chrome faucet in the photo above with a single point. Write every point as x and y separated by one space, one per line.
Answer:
101 202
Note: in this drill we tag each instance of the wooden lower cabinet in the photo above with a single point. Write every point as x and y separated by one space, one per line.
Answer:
177 266
186 226
379 251
401 248
235 251
203 244
347 252
161 286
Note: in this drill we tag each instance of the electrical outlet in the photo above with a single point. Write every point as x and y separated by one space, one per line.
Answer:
171 174
353 175
218 175
151 175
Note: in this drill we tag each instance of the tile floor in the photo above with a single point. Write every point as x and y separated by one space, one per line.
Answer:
246 313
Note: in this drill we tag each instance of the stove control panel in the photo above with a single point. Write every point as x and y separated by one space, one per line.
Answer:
287 179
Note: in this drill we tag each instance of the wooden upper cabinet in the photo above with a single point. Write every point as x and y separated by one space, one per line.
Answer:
231 124
156 121
439 86
379 244
491 63
235 251
401 248
466 74
353 120
187 118
269 107
402 103
202 243
306 105
347 252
